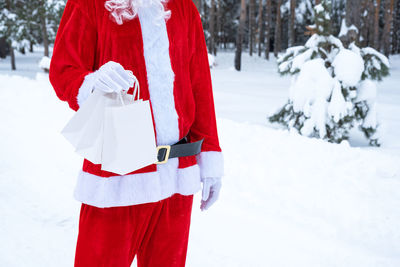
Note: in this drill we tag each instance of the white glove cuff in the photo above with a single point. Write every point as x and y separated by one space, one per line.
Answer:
211 180
86 88
211 164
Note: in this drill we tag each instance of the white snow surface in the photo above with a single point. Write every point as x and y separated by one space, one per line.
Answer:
45 63
286 200
211 60
348 66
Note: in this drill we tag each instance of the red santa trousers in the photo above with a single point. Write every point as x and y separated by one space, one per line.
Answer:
156 232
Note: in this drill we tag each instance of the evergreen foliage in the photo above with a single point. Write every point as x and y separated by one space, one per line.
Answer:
12 24
21 21
341 92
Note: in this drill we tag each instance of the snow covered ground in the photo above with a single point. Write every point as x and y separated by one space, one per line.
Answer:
286 200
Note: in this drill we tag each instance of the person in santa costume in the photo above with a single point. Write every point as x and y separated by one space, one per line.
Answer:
145 213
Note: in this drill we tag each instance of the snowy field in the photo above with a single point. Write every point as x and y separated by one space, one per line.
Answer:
286 200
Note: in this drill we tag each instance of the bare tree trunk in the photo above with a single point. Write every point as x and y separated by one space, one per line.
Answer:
219 26
31 47
12 58
12 54
260 27
396 29
44 35
268 29
353 13
352 18
211 28
291 22
357 8
364 22
370 20
376 23
278 29
389 7
239 36
251 26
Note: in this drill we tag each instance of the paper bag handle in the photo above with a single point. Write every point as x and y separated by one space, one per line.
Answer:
136 90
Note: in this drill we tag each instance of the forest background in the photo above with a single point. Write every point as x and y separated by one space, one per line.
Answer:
257 27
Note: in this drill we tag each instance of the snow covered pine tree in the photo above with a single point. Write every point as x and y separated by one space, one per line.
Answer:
333 88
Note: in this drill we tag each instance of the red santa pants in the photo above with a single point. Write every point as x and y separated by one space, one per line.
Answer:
156 232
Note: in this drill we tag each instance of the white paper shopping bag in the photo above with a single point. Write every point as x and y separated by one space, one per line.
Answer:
85 129
129 140
90 145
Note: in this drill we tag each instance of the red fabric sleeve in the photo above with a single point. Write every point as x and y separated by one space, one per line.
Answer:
73 53
204 125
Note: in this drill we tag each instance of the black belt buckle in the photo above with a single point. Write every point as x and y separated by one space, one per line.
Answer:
180 149
167 150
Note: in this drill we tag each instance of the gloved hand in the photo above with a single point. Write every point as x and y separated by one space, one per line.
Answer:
210 193
112 77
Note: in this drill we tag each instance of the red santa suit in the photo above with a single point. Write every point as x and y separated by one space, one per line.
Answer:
171 64
170 60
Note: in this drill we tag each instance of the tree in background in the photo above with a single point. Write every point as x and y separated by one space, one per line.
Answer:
212 29
261 23
366 17
396 29
11 28
334 87
377 5
252 22
268 26
278 29
24 23
239 40
388 23
352 13
292 22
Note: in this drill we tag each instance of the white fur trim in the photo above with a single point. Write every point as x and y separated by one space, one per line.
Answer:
135 189
86 88
160 75
211 164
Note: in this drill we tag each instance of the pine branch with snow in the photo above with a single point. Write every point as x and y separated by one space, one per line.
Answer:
376 64
333 87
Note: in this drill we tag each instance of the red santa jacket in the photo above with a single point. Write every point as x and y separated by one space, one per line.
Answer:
170 61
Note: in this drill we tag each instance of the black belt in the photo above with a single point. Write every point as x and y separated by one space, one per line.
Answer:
180 149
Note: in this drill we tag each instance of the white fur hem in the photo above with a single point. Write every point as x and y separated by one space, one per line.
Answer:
211 164
86 88
135 189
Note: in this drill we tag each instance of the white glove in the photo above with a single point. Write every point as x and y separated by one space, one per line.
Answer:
112 77
211 188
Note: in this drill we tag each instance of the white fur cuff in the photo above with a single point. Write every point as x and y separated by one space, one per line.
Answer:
86 88
211 164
